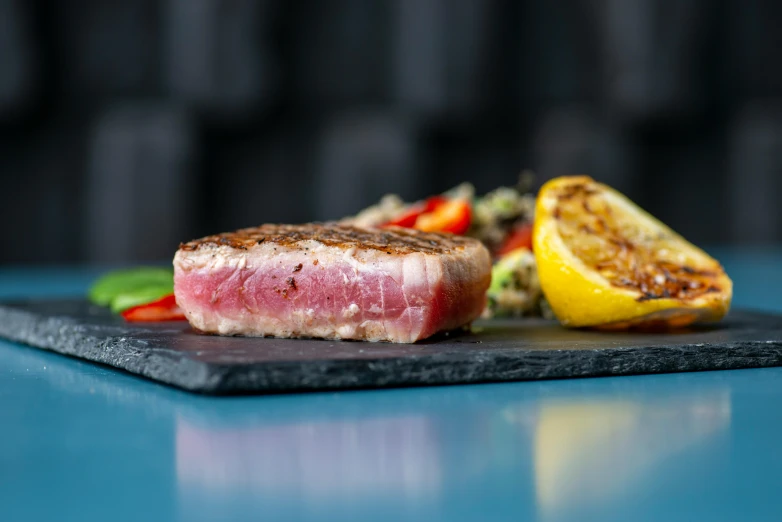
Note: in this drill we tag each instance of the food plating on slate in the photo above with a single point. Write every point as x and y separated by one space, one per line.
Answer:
401 272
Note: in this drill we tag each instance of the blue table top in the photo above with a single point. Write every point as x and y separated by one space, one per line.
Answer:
84 442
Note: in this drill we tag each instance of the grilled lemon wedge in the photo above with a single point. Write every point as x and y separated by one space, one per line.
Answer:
603 262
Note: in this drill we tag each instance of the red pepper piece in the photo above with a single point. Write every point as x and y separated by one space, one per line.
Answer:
520 237
164 309
452 216
408 218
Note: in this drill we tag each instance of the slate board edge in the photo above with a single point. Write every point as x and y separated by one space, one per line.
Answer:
67 336
524 365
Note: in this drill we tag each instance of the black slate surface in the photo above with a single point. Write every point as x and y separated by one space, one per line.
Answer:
510 350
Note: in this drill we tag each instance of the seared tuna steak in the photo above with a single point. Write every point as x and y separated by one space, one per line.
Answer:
331 281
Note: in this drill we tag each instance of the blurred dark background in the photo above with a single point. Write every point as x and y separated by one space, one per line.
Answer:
128 126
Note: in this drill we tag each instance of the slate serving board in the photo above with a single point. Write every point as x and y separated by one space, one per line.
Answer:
498 350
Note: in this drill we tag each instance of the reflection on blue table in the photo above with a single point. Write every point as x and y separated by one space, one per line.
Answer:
590 449
580 454
589 454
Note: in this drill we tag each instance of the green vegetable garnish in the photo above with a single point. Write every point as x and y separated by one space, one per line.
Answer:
514 289
125 282
503 274
145 295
